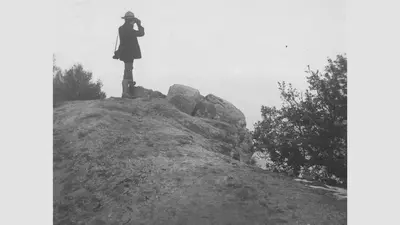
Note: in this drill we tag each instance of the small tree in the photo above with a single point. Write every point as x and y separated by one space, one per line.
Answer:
75 84
309 129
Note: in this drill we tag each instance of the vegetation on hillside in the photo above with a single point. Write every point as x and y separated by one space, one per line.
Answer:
75 84
309 131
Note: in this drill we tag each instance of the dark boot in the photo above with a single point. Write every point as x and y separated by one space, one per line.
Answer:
131 86
125 89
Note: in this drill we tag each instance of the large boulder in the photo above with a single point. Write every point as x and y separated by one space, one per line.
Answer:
205 109
183 97
226 111
230 122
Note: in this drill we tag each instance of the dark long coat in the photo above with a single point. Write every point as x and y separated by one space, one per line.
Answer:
129 48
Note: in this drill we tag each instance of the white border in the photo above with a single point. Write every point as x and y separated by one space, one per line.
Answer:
373 155
26 112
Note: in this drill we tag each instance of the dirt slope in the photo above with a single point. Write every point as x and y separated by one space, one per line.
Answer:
142 161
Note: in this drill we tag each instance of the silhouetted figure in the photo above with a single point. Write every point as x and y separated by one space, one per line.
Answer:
129 50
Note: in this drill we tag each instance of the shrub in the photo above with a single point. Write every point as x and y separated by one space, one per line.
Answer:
75 84
310 129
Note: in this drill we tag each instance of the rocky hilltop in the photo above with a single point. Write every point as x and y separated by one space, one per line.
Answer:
179 158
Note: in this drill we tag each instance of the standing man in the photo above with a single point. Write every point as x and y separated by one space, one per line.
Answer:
129 49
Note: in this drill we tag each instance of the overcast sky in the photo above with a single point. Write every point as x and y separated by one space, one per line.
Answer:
235 49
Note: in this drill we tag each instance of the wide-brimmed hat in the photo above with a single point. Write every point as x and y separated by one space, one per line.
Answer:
128 15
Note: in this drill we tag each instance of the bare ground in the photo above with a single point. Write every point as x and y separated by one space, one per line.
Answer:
143 162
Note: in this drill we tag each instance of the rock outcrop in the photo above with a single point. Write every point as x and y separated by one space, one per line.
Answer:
205 109
143 161
214 107
190 101
183 97
226 111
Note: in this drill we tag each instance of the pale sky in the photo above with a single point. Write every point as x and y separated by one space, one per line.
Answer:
235 49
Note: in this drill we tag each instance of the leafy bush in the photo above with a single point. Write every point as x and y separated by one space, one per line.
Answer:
310 129
75 84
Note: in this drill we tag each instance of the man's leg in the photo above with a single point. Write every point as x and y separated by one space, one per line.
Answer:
128 79
128 75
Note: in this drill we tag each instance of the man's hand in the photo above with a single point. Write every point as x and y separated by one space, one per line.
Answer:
138 22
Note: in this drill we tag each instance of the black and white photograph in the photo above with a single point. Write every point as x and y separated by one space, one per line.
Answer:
186 112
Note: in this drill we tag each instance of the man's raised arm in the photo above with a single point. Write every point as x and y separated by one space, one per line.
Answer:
140 32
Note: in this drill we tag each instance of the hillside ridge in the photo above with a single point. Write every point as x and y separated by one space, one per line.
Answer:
144 161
